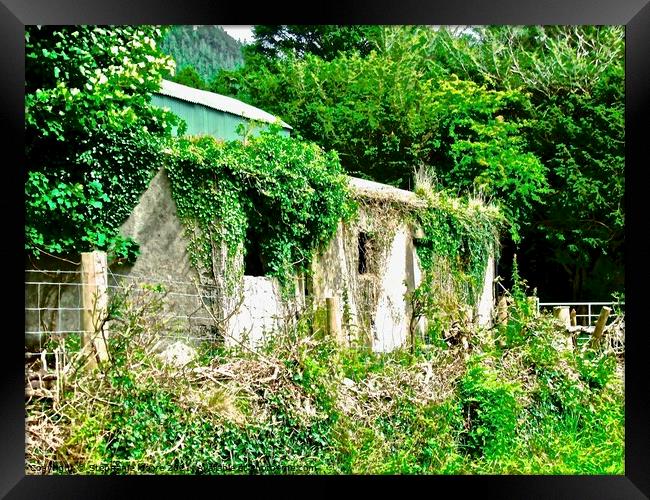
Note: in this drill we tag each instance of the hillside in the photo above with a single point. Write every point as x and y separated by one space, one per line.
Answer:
207 48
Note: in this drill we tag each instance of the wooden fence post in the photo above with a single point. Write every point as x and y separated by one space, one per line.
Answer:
94 279
332 317
502 310
600 325
562 313
574 321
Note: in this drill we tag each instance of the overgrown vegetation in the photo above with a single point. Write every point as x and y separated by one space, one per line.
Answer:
530 404
93 141
517 398
277 197
458 237
531 115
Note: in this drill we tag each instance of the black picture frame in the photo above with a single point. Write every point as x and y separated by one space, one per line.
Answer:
634 14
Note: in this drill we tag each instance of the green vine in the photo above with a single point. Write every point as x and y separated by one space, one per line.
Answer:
459 236
275 195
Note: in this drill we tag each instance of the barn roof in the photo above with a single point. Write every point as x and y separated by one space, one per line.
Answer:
218 102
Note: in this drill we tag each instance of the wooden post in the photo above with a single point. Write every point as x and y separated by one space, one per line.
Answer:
332 317
467 315
600 325
502 310
94 279
574 321
562 313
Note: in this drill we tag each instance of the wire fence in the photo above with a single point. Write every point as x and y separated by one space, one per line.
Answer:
54 309
53 299
54 305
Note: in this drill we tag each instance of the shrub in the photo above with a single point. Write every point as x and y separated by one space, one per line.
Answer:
491 410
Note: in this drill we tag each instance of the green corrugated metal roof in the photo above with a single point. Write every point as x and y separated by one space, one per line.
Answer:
210 113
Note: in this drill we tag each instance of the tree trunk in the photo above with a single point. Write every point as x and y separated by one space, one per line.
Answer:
577 283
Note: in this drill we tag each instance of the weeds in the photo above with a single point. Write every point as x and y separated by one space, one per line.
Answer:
307 406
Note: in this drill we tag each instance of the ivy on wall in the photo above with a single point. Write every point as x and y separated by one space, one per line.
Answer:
459 235
283 198
275 195
462 232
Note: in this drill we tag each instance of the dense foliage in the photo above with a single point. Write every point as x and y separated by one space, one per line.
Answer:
274 196
190 77
203 48
395 109
93 141
517 401
575 77
532 116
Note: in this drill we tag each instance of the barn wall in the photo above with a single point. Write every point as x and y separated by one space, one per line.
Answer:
203 120
153 223
372 307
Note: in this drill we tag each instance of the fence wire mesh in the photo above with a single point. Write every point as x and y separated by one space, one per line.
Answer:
54 303
54 309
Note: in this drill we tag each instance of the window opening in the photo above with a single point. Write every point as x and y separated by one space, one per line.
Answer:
363 253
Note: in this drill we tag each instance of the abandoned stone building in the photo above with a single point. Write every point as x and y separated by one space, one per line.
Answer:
361 279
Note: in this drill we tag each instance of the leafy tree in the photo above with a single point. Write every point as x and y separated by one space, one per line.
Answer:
190 77
396 109
575 77
325 41
93 141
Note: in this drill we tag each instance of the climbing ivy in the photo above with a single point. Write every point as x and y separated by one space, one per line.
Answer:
282 198
272 194
459 236
464 233
93 141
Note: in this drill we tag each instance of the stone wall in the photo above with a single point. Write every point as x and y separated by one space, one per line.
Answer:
373 309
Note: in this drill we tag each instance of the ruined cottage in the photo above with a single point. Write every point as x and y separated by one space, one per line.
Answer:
358 287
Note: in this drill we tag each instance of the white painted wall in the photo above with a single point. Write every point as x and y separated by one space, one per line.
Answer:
392 316
259 314
486 301
262 311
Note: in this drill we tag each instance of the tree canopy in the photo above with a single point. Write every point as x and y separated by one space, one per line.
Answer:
324 41
530 116
575 77
93 140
